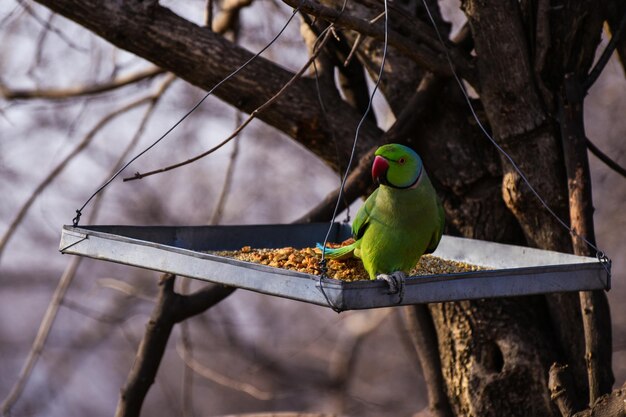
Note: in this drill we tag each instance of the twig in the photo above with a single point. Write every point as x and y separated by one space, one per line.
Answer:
92 313
218 211
356 185
614 9
344 356
413 47
561 386
208 13
252 116
17 10
421 330
124 288
69 93
188 375
605 158
355 46
228 18
42 336
151 99
28 9
61 166
67 278
606 55
41 39
576 163
220 379
171 308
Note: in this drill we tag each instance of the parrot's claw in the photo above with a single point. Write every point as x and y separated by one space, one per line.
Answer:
395 282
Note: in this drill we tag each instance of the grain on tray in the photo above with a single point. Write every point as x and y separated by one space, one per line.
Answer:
307 260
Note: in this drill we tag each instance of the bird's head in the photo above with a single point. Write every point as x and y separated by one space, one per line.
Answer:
396 166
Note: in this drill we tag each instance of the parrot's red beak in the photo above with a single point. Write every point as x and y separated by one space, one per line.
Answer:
379 169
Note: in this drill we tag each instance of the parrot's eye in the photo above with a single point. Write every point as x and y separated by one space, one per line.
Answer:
401 161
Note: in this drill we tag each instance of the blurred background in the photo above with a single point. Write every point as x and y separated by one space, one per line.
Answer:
251 352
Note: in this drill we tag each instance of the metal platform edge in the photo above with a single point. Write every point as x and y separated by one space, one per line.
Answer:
581 276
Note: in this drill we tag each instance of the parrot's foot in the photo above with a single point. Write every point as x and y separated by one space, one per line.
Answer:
395 282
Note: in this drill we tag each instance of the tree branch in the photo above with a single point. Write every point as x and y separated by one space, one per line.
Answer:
74 92
415 45
421 330
594 306
70 271
19 217
615 10
204 58
229 16
605 158
257 112
561 386
618 34
170 309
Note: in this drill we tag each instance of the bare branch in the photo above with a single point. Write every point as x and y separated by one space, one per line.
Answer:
46 24
615 9
220 379
253 115
416 45
606 159
343 359
124 288
229 15
618 35
70 271
171 308
204 58
208 13
187 346
218 211
561 388
151 100
74 92
421 330
42 335
594 305
61 166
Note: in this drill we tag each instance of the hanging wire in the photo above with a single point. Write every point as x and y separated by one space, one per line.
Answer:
323 261
606 262
318 89
79 211
332 132
325 113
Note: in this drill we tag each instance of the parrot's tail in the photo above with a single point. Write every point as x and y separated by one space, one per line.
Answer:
337 253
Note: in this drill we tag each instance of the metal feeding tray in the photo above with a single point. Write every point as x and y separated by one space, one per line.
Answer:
514 270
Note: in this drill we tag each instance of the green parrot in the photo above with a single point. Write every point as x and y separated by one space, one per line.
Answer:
399 222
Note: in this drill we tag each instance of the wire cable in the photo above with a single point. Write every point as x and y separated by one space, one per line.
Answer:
323 261
599 254
356 137
79 211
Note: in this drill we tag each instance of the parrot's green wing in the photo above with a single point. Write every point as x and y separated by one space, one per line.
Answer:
362 218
